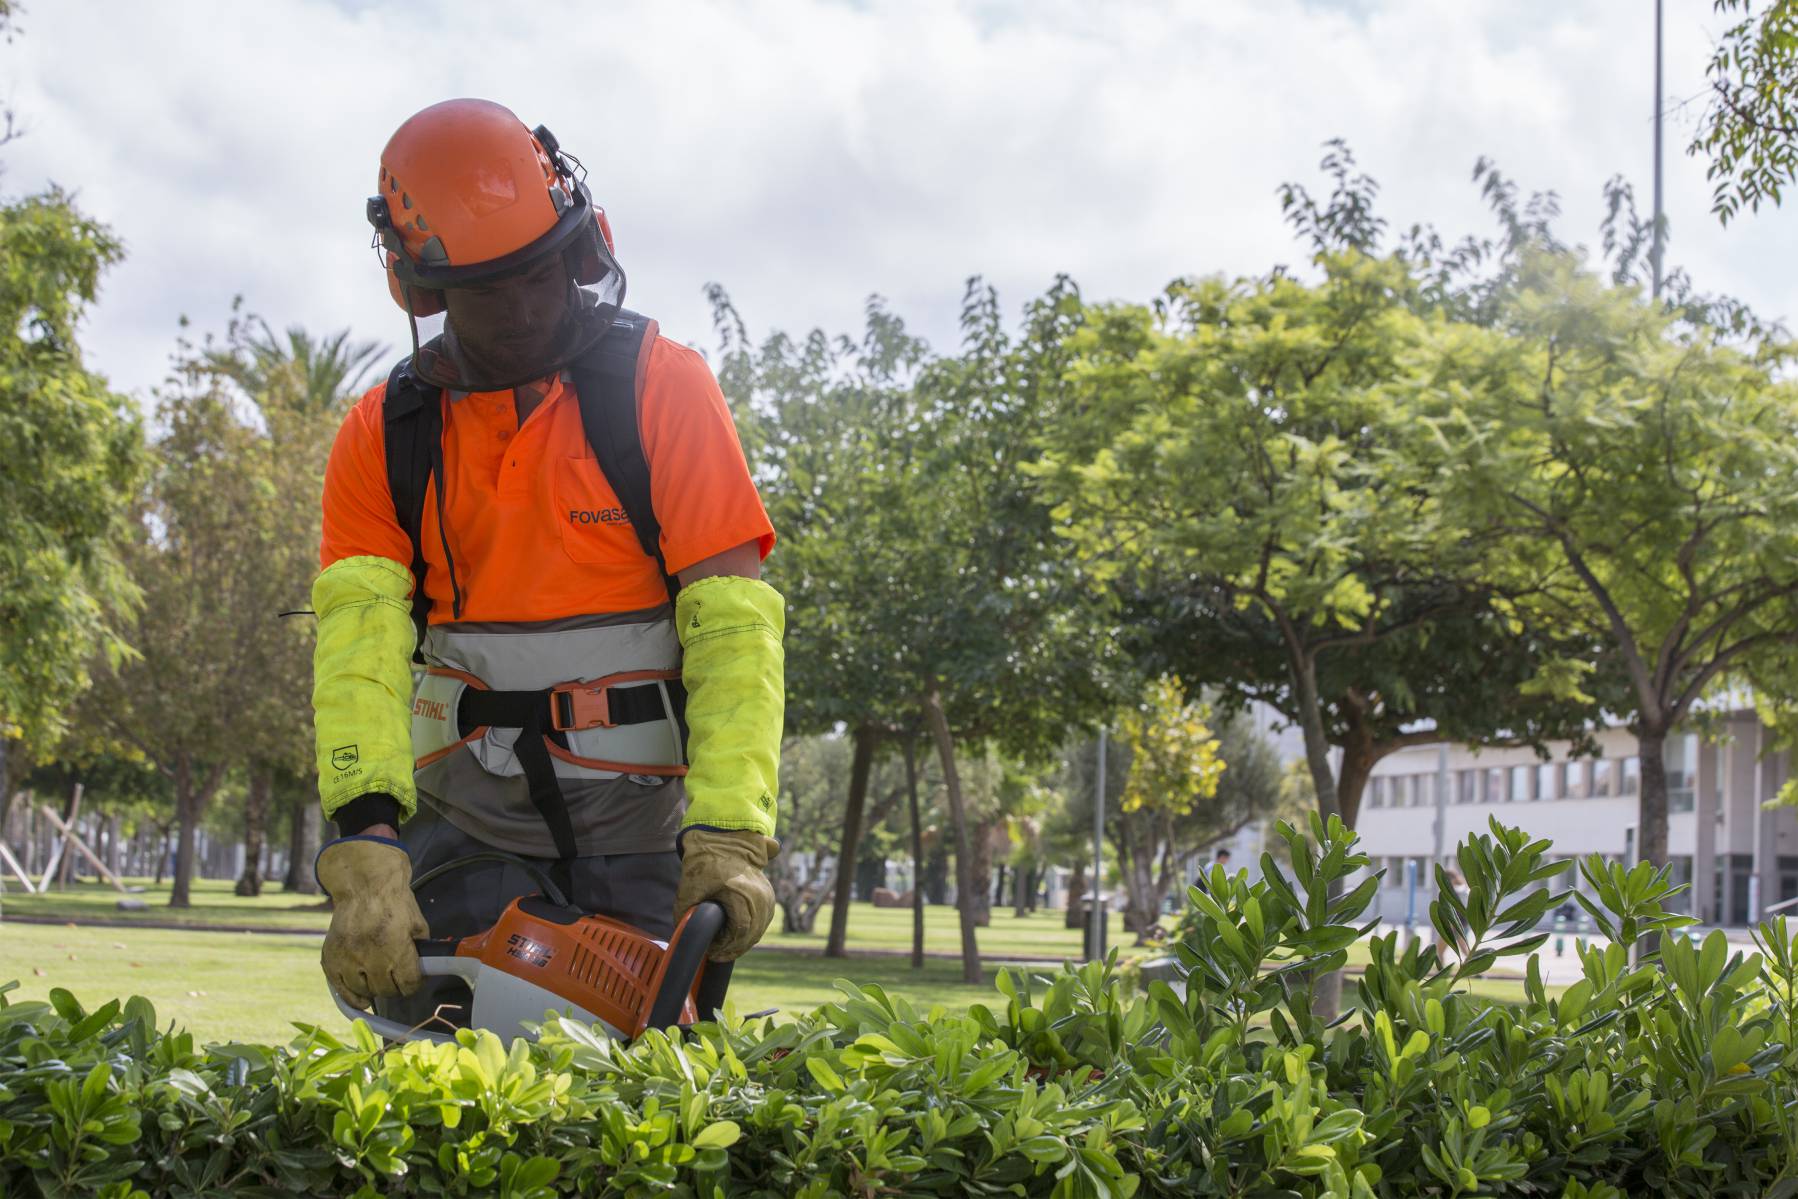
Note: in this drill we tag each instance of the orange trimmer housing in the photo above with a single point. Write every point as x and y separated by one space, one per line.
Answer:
601 965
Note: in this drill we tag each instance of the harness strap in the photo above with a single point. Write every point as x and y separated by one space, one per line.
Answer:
560 709
607 384
546 715
413 423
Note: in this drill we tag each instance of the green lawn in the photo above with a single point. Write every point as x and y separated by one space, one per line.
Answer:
251 986
870 928
213 903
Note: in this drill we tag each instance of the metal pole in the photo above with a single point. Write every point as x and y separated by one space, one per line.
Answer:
1659 240
1096 903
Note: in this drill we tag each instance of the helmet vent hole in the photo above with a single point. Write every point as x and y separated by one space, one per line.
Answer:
420 225
405 201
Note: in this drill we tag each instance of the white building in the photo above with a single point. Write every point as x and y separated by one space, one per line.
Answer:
1737 856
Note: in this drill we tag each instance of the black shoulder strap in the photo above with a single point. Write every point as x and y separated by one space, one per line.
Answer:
608 381
414 431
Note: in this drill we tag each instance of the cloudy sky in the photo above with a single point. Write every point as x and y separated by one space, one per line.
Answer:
806 153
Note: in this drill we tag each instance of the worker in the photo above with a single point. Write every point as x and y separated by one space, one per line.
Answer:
544 649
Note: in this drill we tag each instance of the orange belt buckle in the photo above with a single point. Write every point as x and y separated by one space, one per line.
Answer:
575 707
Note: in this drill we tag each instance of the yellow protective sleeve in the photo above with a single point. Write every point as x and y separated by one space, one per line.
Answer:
362 682
735 673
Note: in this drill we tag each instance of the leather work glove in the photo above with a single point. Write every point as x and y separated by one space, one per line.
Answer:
368 951
726 868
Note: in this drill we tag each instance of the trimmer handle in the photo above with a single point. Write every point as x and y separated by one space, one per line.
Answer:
687 951
434 958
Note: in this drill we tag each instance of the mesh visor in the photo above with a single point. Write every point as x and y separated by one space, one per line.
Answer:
517 319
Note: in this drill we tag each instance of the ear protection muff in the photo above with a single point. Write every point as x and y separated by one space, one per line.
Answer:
419 301
588 257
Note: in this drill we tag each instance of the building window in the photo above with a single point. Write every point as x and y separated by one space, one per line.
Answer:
1631 769
1495 785
1376 793
1548 780
1467 786
1579 779
1521 778
1601 777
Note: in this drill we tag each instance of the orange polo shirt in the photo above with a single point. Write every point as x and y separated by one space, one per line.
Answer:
536 531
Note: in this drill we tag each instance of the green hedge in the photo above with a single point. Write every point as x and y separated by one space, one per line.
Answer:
1671 1075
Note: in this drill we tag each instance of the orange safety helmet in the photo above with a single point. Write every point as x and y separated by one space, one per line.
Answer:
469 196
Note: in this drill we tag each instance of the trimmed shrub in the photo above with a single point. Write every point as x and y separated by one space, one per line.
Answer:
1662 1071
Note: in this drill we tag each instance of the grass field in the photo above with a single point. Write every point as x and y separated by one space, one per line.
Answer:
251 986
213 903
254 985
870 928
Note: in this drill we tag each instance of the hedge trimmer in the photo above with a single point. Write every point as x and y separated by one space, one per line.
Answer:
544 954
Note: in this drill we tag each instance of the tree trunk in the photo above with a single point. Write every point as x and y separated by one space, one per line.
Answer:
302 845
810 905
1651 812
115 850
184 842
1326 997
861 765
1136 863
191 797
982 897
870 873
936 873
1651 820
917 856
1303 668
967 891
1359 756
1074 917
70 811
255 821
999 884
162 851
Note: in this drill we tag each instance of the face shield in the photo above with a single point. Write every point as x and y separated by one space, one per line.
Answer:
493 325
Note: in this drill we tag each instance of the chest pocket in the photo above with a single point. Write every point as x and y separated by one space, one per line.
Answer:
595 526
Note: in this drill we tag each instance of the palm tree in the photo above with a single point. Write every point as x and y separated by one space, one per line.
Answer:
300 383
330 369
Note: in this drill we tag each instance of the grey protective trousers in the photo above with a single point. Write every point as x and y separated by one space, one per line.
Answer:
637 888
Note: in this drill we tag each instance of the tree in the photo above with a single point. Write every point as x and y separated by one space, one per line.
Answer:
1749 128
75 454
1175 768
824 425
1304 555
300 385
925 587
815 776
1641 475
1004 639
187 700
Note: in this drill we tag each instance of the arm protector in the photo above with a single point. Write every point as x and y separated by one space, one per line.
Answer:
362 682
734 671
